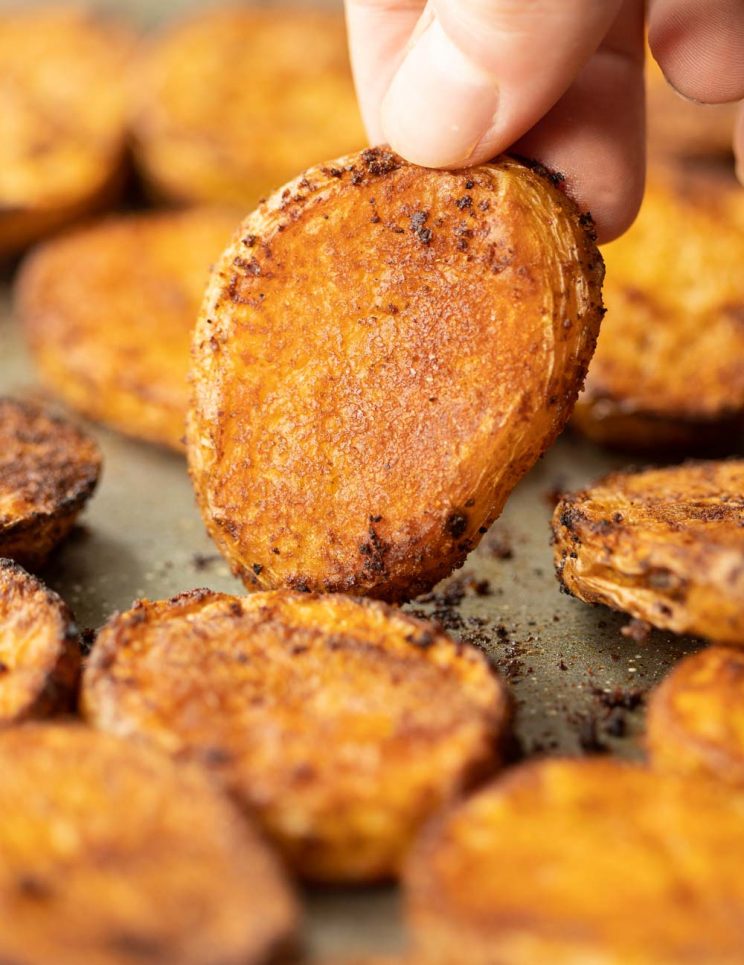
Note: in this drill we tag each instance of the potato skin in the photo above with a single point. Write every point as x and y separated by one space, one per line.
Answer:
39 648
383 352
568 861
228 104
48 471
341 724
695 718
113 854
666 374
64 157
664 545
146 275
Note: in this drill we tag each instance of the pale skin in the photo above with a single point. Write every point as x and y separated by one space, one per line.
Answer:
450 83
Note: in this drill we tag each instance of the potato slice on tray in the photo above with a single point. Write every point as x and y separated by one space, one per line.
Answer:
232 101
695 718
48 471
108 311
39 648
62 118
341 724
664 545
568 861
110 853
667 373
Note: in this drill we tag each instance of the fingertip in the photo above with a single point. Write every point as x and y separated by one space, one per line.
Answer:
700 48
439 104
739 145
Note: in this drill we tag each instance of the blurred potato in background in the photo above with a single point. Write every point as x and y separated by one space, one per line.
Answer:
62 118
108 310
668 369
234 101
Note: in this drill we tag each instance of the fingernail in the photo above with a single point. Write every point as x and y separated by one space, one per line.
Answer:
439 104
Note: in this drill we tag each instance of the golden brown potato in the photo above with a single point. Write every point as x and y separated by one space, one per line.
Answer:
62 118
234 101
667 371
39 648
111 854
665 545
384 350
108 311
695 720
48 471
678 127
341 724
582 861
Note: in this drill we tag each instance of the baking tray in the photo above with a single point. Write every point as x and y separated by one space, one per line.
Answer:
577 680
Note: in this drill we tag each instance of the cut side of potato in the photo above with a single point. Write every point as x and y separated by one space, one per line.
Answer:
384 350
108 311
62 118
664 545
48 471
695 719
39 648
110 854
569 861
341 724
233 101
667 372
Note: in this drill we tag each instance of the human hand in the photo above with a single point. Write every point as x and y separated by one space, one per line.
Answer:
449 83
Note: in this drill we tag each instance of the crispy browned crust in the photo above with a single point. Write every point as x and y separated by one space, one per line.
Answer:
665 545
108 312
667 372
111 854
230 103
48 471
383 351
39 648
342 724
695 720
681 127
63 102
582 861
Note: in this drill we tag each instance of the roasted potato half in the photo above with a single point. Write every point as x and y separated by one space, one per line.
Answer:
341 724
111 854
62 117
108 311
569 861
665 545
679 127
39 648
695 718
383 351
667 372
48 471
234 100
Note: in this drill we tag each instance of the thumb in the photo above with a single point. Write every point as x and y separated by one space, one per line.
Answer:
479 74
